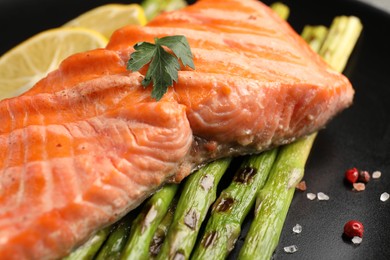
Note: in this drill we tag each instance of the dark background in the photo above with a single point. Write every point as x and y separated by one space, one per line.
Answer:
359 137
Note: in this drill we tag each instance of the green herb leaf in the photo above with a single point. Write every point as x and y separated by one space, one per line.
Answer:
142 56
163 66
166 67
180 46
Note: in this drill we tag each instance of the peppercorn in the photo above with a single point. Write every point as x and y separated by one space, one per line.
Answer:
353 228
352 175
364 176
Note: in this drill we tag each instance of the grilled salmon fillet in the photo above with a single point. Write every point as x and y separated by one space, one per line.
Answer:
87 143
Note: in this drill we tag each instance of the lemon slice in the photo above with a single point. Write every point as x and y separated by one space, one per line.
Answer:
28 62
107 18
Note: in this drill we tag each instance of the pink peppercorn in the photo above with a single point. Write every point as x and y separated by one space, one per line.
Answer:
364 176
353 228
352 175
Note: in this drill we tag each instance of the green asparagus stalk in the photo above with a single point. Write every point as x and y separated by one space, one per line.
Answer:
146 223
154 7
275 198
341 40
89 249
281 9
162 231
315 35
198 194
113 246
232 206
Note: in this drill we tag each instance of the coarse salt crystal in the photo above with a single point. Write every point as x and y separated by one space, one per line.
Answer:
311 196
322 196
359 186
297 229
357 240
385 196
376 175
290 249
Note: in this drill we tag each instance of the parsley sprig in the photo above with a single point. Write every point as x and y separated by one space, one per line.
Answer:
163 66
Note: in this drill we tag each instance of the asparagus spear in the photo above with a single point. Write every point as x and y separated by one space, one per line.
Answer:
315 36
162 230
274 199
198 193
281 9
116 241
153 7
342 37
232 206
89 249
145 225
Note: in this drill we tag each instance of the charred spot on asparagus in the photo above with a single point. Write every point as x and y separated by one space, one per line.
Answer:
150 214
191 219
209 239
223 204
245 175
156 244
207 182
179 255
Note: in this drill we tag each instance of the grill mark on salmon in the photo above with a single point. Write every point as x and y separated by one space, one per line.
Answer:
87 143
247 45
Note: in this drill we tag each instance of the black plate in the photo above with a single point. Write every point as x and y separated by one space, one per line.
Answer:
358 137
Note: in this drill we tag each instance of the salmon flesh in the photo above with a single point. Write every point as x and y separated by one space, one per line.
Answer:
87 143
